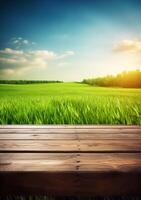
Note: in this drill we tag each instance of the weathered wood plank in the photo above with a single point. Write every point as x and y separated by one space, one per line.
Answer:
79 136
37 156
68 162
41 136
69 131
49 146
37 162
102 145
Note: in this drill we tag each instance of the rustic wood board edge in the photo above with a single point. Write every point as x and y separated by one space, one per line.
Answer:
70 126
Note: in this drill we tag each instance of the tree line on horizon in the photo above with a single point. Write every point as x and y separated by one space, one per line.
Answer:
126 79
27 81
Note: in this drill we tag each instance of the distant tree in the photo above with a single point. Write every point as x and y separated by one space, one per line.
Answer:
129 79
27 81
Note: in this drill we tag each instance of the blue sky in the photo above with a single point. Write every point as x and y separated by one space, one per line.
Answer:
68 40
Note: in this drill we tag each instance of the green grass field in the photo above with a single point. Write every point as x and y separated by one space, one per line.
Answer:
68 103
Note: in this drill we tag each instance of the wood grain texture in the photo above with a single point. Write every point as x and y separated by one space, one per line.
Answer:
70 160
101 130
63 136
105 145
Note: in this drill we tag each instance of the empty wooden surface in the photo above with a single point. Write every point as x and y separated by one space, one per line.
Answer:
70 160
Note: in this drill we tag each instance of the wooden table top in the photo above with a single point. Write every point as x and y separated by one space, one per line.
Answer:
70 160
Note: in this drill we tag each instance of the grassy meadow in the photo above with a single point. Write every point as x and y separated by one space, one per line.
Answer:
68 103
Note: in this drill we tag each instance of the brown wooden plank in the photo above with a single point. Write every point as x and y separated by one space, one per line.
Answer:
55 136
29 145
41 136
37 162
83 162
37 156
103 145
110 162
70 131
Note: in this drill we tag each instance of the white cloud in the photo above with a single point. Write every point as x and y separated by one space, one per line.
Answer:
15 41
25 41
44 54
19 61
8 60
9 51
24 59
19 42
66 54
129 46
70 53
